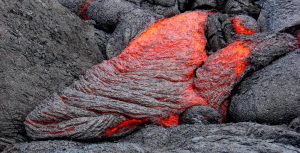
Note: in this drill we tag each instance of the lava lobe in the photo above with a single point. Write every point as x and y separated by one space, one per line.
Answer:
158 76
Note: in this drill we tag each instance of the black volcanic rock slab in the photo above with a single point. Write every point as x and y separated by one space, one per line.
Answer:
270 95
233 138
43 47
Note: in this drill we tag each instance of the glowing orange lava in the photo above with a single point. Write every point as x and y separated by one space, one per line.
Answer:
161 73
123 127
236 50
240 28
153 45
236 54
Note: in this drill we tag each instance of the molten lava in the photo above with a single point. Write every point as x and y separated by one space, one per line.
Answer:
155 79
240 28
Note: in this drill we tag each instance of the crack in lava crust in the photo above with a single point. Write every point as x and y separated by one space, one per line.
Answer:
240 28
152 81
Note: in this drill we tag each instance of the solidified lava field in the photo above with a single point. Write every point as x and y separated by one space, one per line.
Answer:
150 76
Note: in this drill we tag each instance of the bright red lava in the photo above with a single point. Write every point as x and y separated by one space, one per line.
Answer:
123 127
237 53
240 28
238 50
84 9
140 49
170 51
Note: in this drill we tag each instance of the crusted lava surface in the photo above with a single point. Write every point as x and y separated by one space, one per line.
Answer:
158 76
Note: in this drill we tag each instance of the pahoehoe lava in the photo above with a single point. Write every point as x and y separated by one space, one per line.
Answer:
162 73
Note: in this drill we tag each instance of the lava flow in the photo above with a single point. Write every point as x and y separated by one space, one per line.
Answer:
240 28
155 79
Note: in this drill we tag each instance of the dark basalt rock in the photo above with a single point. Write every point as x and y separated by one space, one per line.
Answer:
275 45
235 7
295 124
222 29
43 47
278 15
203 4
74 147
247 7
102 38
124 19
166 8
240 137
219 32
270 95
200 115
130 26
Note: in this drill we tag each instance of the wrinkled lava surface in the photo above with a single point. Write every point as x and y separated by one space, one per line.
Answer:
158 76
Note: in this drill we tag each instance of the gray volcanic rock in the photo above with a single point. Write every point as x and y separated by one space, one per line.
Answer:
235 138
219 32
200 115
295 124
279 15
270 95
57 146
43 47
237 7
249 7
166 8
124 19
220 29
239 137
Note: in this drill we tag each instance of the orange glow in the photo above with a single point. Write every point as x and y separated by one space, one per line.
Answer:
173 120
237 54
124 126
242 52
170 52
186 43
240 28
154 44
193 99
